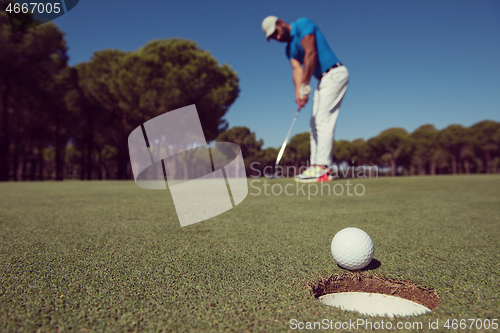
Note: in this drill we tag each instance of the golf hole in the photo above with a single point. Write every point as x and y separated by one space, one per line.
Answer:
374 295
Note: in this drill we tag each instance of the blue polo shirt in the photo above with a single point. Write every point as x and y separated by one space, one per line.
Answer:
301 28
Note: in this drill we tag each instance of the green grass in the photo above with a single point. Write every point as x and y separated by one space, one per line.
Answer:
94 256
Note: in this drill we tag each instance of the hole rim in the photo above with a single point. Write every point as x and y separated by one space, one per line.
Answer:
375 284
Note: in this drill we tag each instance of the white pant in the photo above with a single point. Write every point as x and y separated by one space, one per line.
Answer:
326 106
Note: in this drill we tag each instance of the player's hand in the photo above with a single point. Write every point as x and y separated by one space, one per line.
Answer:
301 100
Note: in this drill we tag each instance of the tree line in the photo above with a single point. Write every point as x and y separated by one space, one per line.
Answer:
59 121
426 151
72 122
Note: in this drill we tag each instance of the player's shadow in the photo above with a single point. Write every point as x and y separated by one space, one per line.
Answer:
374 264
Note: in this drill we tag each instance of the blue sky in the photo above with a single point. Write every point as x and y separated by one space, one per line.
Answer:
410 62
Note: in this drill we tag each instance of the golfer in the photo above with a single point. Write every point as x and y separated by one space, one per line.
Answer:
309 54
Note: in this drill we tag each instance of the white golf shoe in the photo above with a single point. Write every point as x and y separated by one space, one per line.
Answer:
314 174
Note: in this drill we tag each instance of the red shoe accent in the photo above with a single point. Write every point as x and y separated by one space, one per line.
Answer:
324 178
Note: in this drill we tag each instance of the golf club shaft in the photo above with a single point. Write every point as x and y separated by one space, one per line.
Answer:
278 159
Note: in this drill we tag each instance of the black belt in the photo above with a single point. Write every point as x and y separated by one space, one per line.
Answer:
329 69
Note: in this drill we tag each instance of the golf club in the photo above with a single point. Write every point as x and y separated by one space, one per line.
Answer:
280 155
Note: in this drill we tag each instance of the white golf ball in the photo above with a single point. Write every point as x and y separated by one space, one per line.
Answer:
352 248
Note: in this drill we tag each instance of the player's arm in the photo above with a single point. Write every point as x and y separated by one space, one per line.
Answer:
310 58
297 74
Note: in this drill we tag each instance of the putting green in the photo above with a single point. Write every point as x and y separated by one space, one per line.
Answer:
110 255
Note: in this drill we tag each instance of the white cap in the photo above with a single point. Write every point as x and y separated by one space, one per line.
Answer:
269 25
